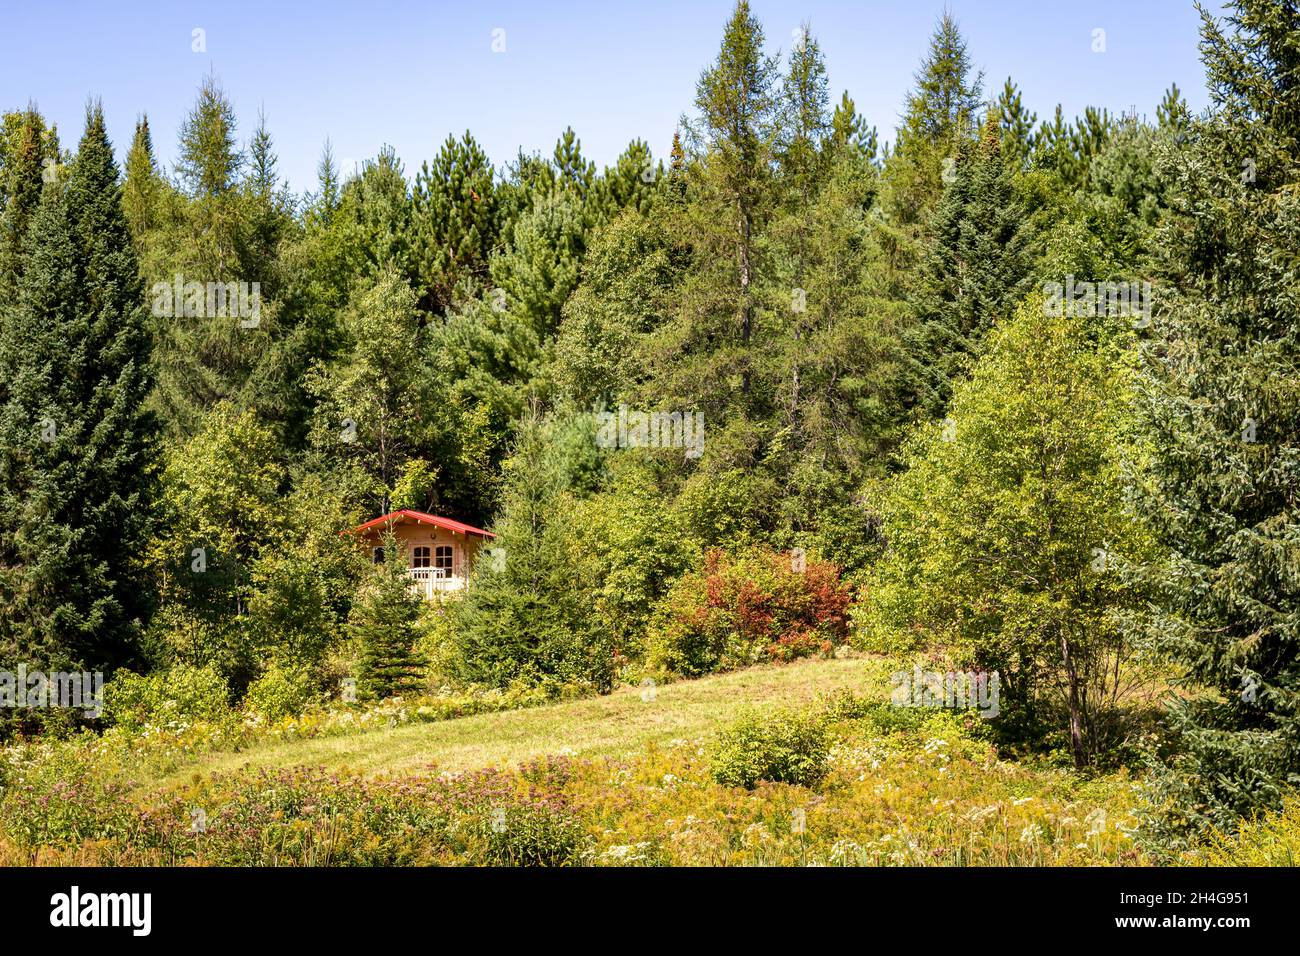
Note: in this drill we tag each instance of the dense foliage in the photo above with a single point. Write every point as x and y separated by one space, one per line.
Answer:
1024 391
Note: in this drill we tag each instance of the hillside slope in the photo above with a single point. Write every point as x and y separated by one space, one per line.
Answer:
612 725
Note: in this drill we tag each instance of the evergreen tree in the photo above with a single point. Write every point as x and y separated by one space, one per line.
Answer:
677 167
523 618
75 444
1223 415
1017 125
23 176
940 115
384 622
378 220
269 208
572 171
1172 111
735 133
142 191
326 198
804 122
975 269
209 159
1054 149
540 268
456 221
849 128
630 183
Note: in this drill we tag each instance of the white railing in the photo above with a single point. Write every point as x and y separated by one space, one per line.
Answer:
428 581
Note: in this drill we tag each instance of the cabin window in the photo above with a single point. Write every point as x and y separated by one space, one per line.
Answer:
420 559
443 558
378 555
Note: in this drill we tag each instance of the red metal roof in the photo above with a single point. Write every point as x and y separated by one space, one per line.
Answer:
421 518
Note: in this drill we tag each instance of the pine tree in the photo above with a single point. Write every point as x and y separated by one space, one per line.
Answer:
1053 147
1017 126
849 128
540 268
76 446
456 220
1172 115
573 172
630 183
378 220
1223 416
384 623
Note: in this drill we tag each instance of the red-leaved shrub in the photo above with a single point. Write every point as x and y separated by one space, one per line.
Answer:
739 610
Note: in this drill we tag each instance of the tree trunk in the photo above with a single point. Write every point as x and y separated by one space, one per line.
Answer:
1075 706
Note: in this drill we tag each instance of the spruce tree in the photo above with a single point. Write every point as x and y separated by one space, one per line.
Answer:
677 168
268 208
523 617
23 176
326 198
142 191
1223 417
384 622
940 115
75 444
975 270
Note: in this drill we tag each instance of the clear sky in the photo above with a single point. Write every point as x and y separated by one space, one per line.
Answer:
408 73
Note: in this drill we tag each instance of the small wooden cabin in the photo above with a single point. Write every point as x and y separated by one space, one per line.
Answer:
439 552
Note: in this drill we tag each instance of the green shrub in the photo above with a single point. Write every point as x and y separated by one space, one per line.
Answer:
782 747
181 694
284 690
1267 839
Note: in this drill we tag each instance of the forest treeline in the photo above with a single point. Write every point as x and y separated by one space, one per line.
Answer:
1025 386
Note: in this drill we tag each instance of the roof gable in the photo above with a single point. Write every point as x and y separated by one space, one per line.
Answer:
403 515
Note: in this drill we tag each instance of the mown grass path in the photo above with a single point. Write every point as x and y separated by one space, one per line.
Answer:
612 725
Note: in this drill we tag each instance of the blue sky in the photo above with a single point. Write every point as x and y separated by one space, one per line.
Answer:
409 73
